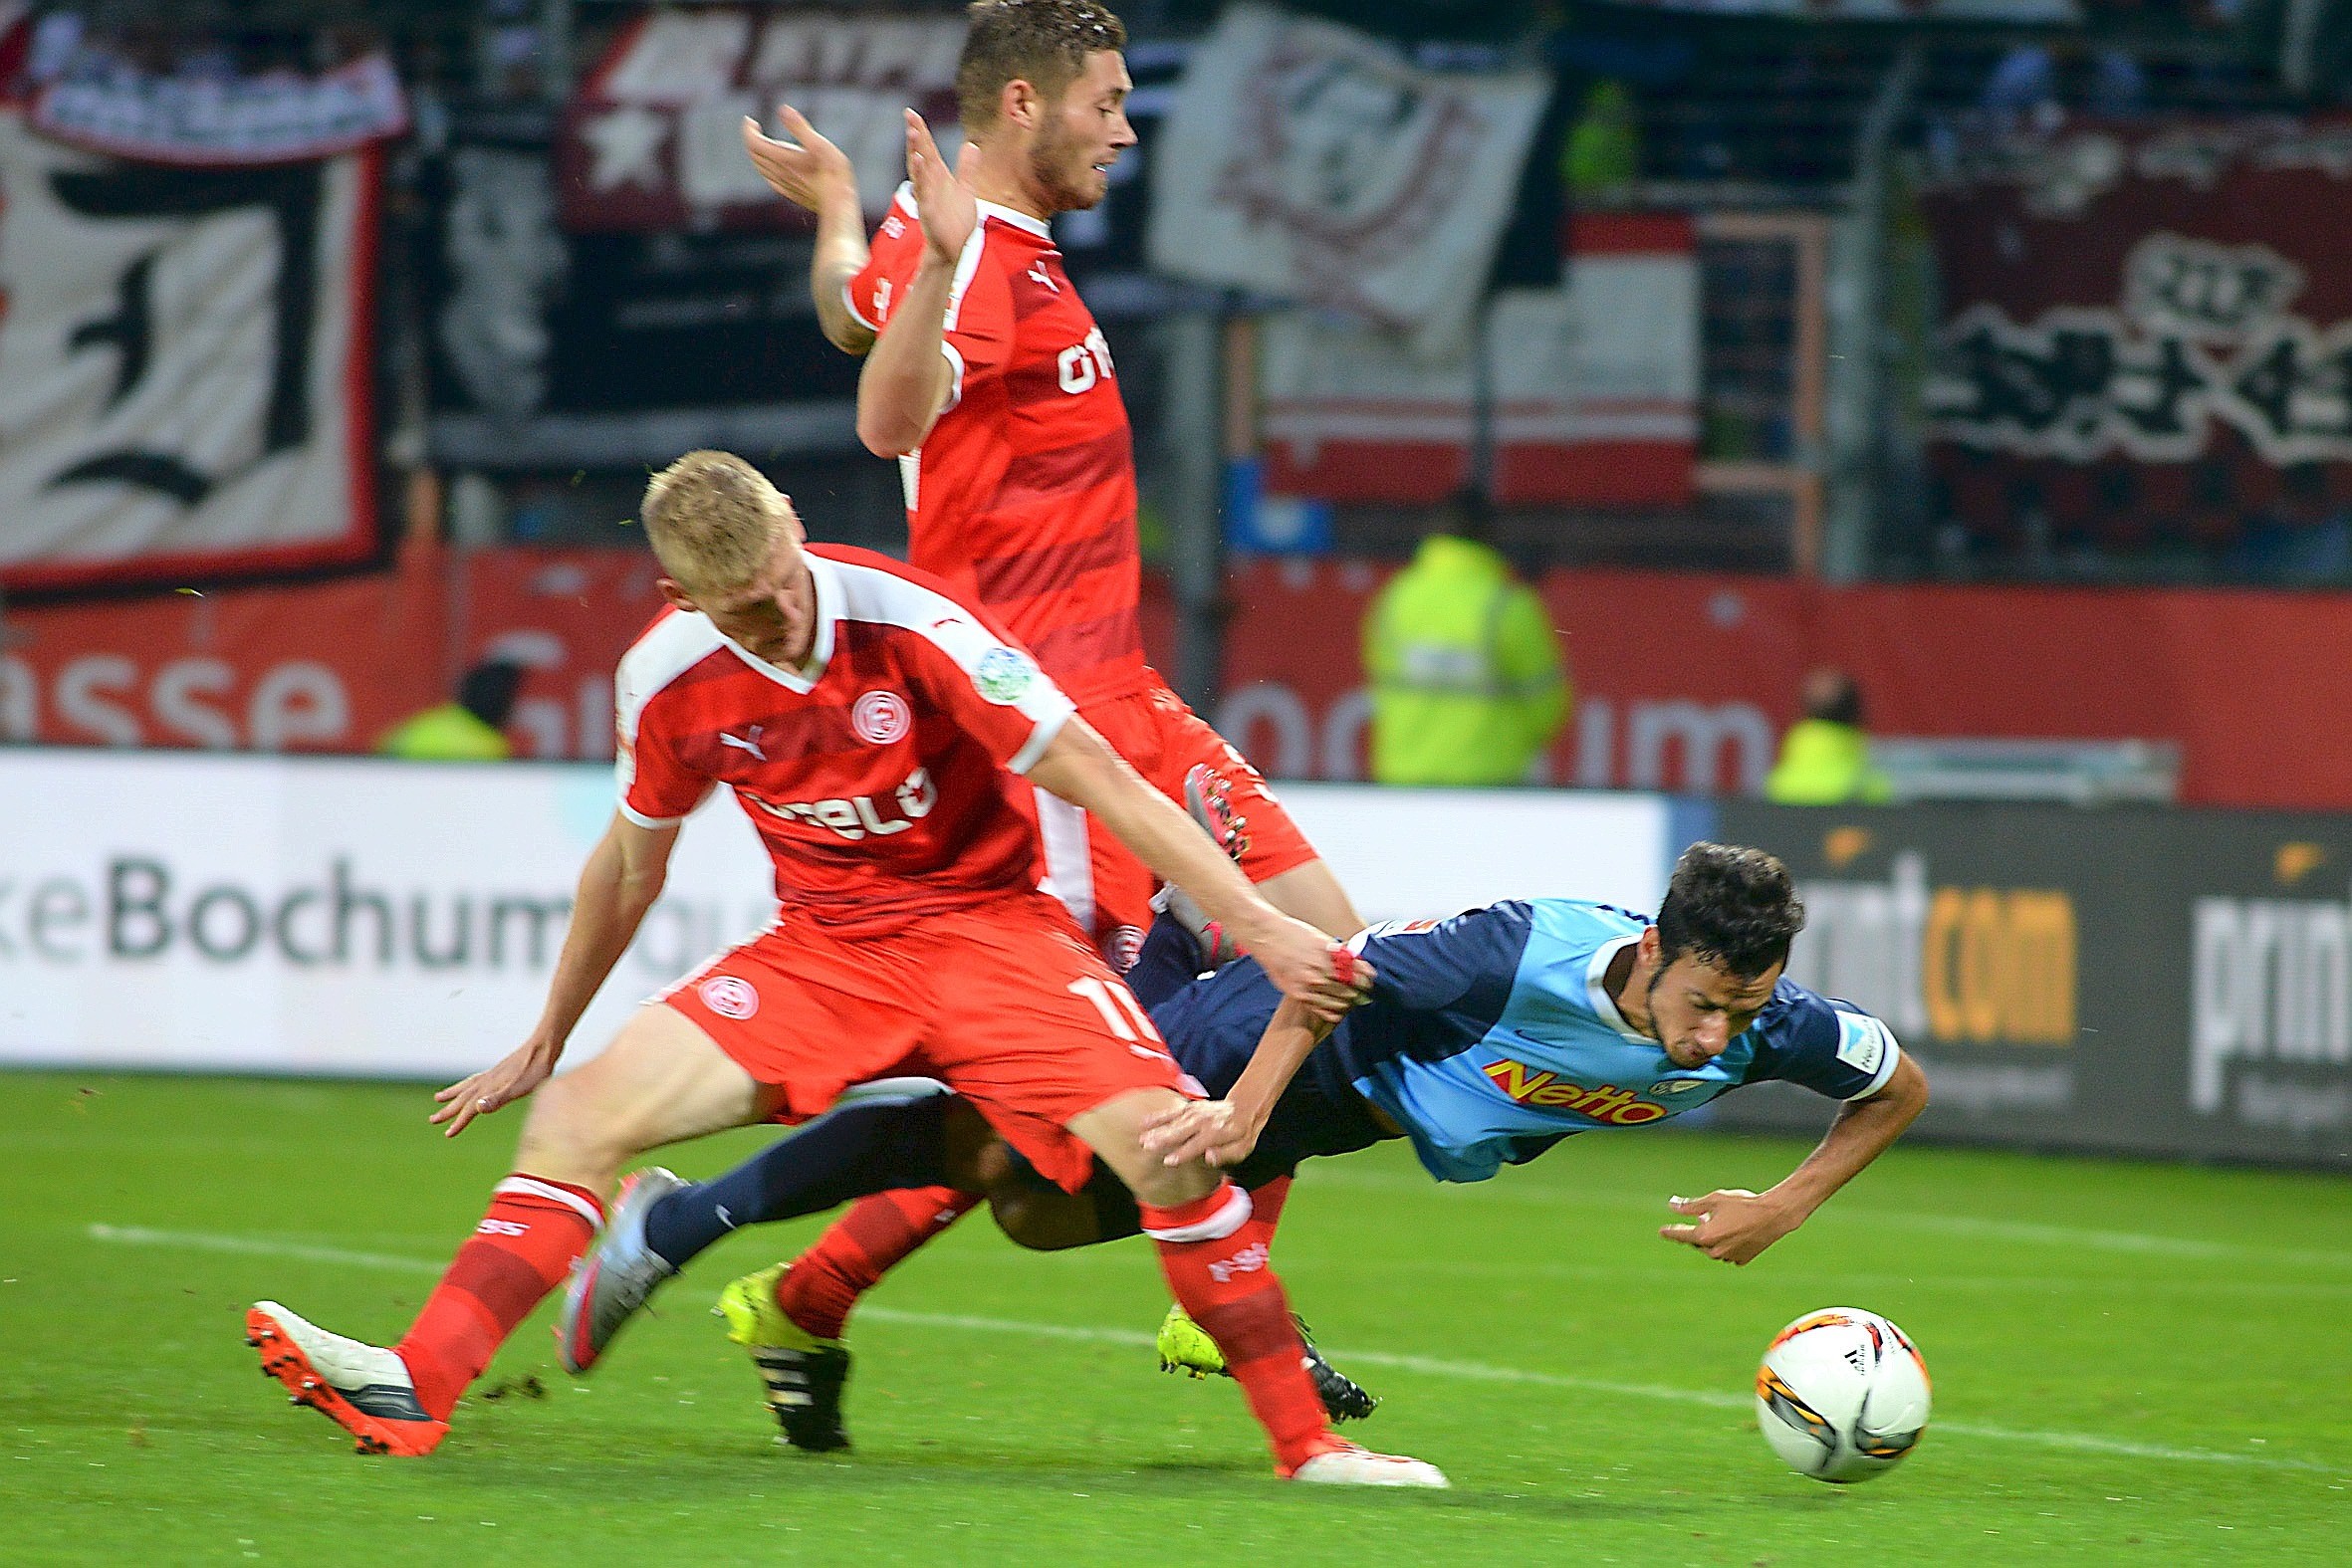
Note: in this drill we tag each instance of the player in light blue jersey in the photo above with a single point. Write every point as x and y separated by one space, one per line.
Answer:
1486 1038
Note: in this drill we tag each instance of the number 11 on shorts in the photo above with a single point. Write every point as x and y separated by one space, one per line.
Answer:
1112 1001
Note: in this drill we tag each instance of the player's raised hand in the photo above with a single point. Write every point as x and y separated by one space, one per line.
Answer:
808 171
1735 1225
1212 1131
943 197
1310 969
514 1076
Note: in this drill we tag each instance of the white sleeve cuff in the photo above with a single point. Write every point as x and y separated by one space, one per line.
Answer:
850 304
955 378
1886 1071
1049 726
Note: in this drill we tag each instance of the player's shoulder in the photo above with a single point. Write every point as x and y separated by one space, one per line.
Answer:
902 217
1507 921
673 644
1802 1021
882 588
1582 924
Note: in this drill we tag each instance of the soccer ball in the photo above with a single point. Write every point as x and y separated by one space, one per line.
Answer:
1843 1395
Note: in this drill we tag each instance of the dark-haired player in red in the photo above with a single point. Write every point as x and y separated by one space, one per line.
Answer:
869 722
987 376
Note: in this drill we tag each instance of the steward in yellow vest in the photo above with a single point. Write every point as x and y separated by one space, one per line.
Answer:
467 729
1826 756
1468 685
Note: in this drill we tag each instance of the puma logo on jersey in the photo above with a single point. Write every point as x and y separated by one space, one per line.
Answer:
858 816
749 741
1038 271
1621 1107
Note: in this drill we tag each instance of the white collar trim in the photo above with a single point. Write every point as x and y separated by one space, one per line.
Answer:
820 653
1597 990
1020 220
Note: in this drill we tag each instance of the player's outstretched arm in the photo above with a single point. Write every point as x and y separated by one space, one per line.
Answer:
907 379
1226 1132
1736 1225
620 883
1303 963
809 172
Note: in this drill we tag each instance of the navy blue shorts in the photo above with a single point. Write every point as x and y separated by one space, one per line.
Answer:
1212 1028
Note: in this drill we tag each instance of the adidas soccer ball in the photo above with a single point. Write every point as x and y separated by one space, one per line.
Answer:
1843 1395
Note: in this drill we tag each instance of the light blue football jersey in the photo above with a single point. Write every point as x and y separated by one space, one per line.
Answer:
1489 1037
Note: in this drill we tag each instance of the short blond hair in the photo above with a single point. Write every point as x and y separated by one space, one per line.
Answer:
712 520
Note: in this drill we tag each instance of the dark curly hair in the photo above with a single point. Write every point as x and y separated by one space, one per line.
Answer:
1041 42
1730 906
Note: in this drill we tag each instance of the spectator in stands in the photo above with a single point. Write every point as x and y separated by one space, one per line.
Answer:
1826 756
1467 683
1601 156
471 727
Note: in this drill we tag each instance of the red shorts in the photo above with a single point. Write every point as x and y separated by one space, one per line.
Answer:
1004 1001
1106 889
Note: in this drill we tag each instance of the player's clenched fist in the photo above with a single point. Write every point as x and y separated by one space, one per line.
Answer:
1735 1225
1310 968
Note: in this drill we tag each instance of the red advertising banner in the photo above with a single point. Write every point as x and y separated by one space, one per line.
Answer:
1685 682
2146 334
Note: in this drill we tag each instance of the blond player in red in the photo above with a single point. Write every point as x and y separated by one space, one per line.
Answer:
869 723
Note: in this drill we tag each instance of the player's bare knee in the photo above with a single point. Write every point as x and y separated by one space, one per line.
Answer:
570 1134
1160 1186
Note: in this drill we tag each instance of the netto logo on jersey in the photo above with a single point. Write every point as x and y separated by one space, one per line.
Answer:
1619 1107
1961 965
856 816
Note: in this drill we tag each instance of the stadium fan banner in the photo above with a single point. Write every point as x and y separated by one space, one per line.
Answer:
1595 387
1308 161
185 364
103 101
2174 982
2144 329
652 140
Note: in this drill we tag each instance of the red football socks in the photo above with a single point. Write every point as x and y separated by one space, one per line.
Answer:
518 1253
824 1285
1214 1253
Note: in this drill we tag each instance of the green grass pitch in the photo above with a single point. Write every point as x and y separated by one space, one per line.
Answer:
2132 1363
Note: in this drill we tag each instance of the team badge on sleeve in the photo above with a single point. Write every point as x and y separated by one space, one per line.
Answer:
1004 675
1862 1042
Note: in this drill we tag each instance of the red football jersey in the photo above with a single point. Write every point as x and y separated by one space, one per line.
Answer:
878 782
1024 492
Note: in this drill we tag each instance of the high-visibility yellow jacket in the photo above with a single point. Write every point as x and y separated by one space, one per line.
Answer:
1468 685
1824 763
451 733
